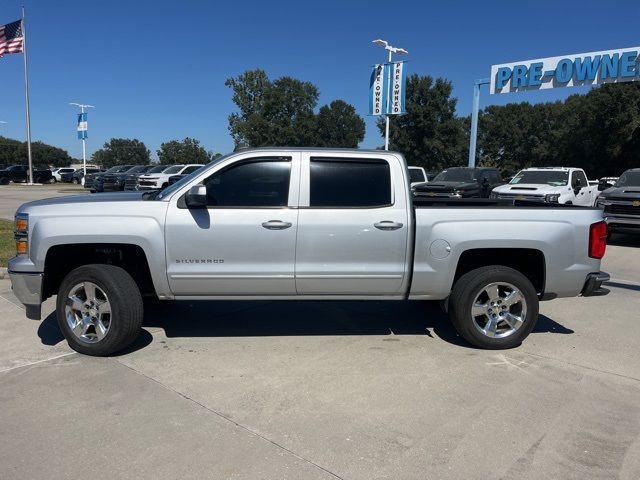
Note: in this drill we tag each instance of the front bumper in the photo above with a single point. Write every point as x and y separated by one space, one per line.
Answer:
593 285
622 221
27 287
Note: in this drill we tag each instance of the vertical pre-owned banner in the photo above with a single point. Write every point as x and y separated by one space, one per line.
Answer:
398 81
378 90
82 126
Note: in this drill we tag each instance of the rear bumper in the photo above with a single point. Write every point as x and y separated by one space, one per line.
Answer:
27 287
593 285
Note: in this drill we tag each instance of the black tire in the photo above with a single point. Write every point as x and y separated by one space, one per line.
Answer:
467 289
38 180
4 181
126 304
75 181
164 185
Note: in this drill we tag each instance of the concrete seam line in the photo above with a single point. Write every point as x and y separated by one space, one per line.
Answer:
12 303
224 417
37 362
606 372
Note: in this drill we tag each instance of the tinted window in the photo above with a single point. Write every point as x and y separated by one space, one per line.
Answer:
416 175
582 177
191 169
157 169
346 183
469 175
260 182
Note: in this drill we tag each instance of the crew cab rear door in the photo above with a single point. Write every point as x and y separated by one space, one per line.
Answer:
244 242
353 225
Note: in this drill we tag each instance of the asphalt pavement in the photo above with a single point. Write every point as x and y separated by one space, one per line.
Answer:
351 390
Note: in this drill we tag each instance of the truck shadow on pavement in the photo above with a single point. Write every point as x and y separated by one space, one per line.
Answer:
291 318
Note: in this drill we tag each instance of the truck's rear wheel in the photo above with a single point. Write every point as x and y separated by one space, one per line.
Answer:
4 181
99 309
494 307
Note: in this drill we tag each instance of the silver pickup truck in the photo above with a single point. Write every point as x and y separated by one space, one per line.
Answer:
301 224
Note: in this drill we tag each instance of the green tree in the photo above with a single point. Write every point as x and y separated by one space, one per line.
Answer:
122 151
429 134
278 113
338 125
15 152
184 151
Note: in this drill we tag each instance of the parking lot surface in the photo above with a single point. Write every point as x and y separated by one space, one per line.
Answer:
377 390
14 195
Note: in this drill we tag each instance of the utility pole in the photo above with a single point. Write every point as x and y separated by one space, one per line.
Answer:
384 44
84 136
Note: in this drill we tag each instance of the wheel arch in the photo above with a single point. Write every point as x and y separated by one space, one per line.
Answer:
62 259
528 261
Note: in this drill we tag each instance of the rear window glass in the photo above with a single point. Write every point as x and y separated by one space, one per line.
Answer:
349 183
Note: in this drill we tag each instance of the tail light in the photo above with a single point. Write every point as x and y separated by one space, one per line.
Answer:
597 239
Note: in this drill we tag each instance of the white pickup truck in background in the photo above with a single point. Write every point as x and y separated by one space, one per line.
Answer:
564 185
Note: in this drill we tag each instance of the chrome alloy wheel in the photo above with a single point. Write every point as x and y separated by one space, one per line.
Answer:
499 310
88 312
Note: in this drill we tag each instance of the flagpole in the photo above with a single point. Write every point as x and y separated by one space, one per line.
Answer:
26 95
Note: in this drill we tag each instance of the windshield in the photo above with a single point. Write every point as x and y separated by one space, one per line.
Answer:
555 178
629 179
115 169
416 175
157 169
139 168
186 179
174 169
457 175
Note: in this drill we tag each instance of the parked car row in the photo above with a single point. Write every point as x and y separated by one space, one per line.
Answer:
137 177
20 174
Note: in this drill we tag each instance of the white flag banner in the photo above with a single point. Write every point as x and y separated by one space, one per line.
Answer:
398 82
378 90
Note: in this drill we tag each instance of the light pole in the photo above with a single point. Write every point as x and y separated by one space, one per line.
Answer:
384 44
84 147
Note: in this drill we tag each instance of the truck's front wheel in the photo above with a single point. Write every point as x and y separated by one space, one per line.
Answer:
494 307
99 309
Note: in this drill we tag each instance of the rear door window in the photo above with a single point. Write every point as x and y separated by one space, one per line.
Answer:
346 183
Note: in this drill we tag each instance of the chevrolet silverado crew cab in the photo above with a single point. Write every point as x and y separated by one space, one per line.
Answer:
300 224
550 184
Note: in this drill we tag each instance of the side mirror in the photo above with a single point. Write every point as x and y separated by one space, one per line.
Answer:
196 197
602 185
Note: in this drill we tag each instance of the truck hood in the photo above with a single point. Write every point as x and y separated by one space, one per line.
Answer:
529 188
444 186
83 199
623 193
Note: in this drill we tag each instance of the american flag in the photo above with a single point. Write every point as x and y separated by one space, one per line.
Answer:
11 38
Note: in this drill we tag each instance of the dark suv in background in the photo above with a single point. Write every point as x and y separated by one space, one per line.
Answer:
621 203
114 182
20 173
77 177
94 182
460 182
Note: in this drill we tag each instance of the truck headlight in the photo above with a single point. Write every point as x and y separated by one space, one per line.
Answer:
456 194
552 198
21 233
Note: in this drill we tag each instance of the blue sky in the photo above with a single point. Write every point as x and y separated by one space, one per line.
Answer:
156 69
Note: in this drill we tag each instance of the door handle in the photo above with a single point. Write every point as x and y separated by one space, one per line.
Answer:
387 225
276 225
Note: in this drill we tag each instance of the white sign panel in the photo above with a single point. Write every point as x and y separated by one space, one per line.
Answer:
610 66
